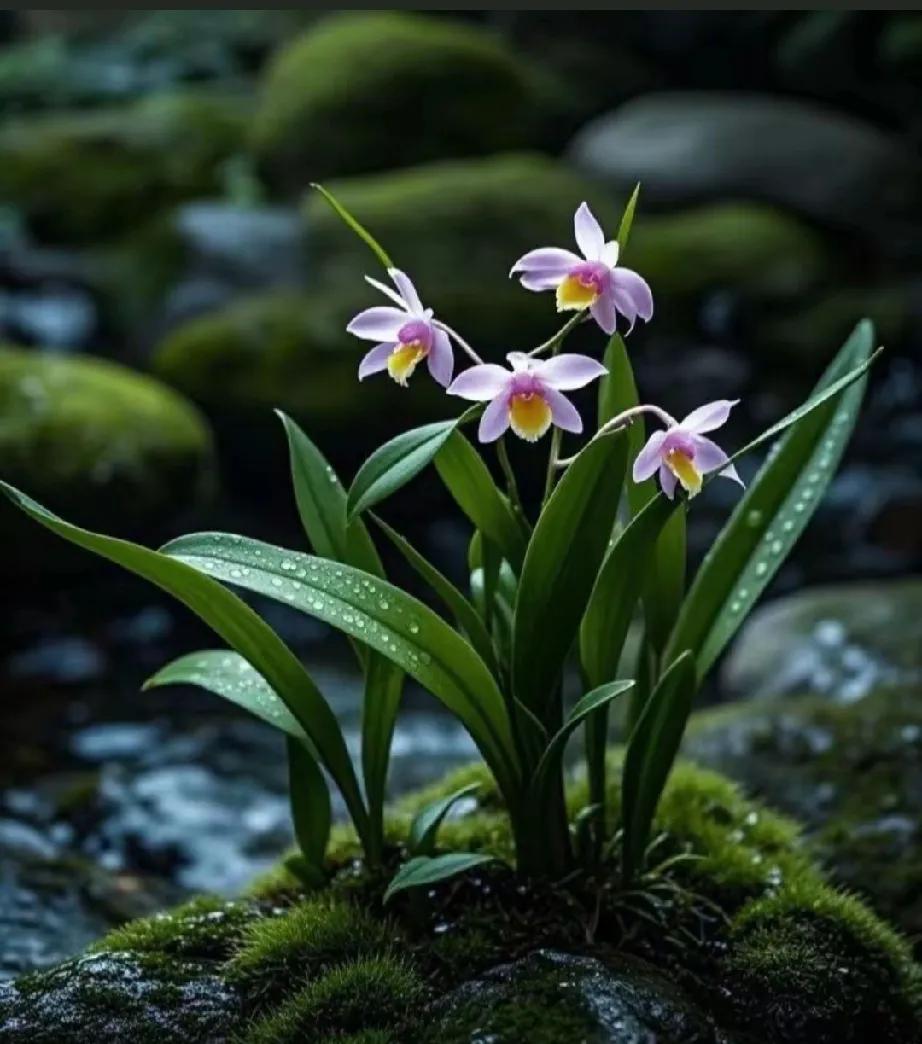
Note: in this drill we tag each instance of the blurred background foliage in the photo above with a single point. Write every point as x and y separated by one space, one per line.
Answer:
167 278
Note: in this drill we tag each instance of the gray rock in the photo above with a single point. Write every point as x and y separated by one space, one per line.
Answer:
843 640
689 147
555 997
119 997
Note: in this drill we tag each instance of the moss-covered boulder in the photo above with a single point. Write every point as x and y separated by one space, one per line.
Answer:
852 773
732 935
367 91
84 177
98 443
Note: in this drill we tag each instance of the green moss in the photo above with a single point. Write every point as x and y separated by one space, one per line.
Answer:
360 91
84 177
205 928
833 971
276 955
370 993
82 433
749 247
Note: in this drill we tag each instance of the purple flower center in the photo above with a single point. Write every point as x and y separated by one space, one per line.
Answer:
677 441
525 384
417 331
592 274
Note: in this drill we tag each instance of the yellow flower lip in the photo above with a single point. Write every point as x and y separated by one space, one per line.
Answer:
574 294
404 359
529 415
683 467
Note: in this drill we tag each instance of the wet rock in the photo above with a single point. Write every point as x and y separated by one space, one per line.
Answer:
843 641
689 147
120 997
81 435
851 773
551 997
459 89
87 177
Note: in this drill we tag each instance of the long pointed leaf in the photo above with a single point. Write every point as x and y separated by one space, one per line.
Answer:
373 611
627 219
367 238
775 509
590 703
463 611
238 625
561 564
650 754
321 502
310 808
468 480
229 675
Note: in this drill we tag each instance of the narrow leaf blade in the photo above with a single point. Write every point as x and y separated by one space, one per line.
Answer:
311 812
556 583
426 822
367 238
423 871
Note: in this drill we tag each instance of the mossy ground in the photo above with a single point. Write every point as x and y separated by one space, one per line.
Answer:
738 914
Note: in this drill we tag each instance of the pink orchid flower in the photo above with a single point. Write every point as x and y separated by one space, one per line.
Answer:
529 396
682 453
593 280
408 334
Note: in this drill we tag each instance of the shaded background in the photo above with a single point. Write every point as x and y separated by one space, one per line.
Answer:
166 279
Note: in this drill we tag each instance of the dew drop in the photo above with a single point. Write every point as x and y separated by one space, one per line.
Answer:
754 518
414 627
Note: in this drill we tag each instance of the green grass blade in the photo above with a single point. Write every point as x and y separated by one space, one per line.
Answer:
775 509
230 676
556 582
310 808
367 238
236 624
423 871
375 612
469 481
426 822
650 754
466 616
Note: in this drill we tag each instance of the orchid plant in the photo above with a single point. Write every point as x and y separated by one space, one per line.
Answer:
552 591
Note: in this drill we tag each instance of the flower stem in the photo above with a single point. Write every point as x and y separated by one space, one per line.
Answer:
552 465
459 341
511 485
622 421
553 343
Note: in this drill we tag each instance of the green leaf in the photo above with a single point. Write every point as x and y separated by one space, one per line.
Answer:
617 591
321 502
310 808
775 509
377 613
468 480
627 220
463 611
394 464
360 230
561 564
426 822
593 701
422 871
229 675
650 754
239 626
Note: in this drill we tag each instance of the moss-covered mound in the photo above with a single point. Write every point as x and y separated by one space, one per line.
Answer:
733 935
367 91
852 773
99 443
85 177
